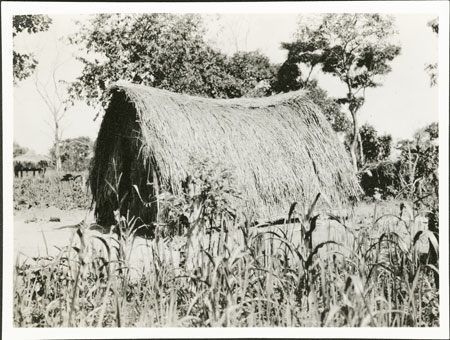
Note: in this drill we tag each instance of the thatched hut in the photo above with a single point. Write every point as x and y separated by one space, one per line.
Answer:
281 149
30 162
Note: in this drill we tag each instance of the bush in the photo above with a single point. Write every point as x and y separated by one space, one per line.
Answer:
75 154
419 166
208 199
41 192
381 178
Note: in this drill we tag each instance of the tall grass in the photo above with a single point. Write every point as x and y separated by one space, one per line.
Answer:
216 270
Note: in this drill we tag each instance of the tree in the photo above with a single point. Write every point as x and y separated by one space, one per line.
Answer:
379 174
376 148
167 51
76 153
329 106
19 150
24 64
54 92
419 163
432 69
289 78
352 47
252 72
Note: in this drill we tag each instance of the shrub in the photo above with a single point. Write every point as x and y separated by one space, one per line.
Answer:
76 154
381 177
419 166
41 192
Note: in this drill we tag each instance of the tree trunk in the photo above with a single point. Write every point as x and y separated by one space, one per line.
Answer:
354 144
361 149
57 148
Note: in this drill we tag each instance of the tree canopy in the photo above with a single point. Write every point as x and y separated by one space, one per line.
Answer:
76 153
252 72
24 64
19 150
166 51
432 69
355 48
290 78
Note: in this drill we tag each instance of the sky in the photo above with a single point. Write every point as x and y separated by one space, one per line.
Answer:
404 103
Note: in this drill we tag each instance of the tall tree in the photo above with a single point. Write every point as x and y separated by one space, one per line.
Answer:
167 51
376 148
252 73
54 93
23 63
355 48
291 78
75 153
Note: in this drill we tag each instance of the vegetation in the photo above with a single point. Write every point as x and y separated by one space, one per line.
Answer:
414 173
19 150
213 268
172 55
24 64
432 69
355 48
150 136
209 261
76 154
42 192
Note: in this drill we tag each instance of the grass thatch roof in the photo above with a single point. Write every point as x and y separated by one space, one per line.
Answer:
30 160
281 149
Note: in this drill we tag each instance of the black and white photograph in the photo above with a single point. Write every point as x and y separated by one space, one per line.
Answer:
271 169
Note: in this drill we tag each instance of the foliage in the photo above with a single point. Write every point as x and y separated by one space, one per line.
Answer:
376 148
241 276
434 24
42 192
329 106
413 176
378 174
76 153
252 72
166 51
289 78
208 191
19 150
352 47
419 165
24 64
381 180
432 69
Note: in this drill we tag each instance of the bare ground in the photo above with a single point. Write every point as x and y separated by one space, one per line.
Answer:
42 232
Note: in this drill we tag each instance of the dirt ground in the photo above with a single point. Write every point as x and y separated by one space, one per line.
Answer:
41 232
37 232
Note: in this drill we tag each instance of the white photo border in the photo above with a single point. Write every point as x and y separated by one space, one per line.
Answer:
9 9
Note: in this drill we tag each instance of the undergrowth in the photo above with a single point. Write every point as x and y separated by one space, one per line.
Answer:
42 192
208 267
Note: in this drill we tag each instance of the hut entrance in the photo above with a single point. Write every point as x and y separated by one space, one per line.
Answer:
119 164
137 186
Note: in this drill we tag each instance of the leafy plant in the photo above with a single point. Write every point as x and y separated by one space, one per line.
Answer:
355 48
24 64
41 192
